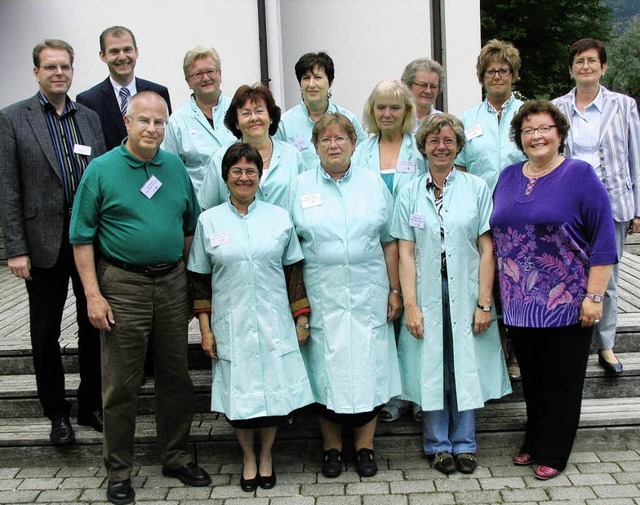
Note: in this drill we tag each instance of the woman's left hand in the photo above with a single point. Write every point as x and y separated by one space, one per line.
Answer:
481 321
394 308
301 332
590 312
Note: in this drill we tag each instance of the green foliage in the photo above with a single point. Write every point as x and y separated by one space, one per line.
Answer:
543 31
622 11
623 61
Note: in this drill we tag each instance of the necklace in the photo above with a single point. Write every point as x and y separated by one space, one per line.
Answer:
526 169
265 159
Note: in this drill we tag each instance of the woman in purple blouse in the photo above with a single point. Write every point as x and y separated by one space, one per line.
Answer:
555 246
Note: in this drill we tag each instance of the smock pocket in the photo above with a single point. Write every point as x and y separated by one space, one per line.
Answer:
285 340
222 327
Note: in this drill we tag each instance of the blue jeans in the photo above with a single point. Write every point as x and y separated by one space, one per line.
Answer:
449 430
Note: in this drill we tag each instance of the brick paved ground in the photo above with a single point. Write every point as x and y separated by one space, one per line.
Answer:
592 478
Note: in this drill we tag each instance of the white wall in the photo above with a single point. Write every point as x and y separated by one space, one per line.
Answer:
164 32
369 40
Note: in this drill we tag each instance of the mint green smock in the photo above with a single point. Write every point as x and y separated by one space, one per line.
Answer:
286 164
190 136
480 370
260 371
351 354
368 155
296 127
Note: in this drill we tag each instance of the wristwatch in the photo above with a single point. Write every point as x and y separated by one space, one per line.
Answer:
484 308
594 298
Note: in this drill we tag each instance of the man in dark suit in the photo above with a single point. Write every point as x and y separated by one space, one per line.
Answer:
46 143
118 49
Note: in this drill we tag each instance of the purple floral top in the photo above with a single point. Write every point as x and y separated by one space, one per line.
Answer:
546 236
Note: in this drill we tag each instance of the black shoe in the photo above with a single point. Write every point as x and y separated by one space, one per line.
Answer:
267 482
331 463
366 463
443 462
190 474
250 485
610 368
120 492
62 432
93 419
466 463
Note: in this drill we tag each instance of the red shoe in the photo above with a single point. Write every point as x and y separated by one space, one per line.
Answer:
522 459
545 472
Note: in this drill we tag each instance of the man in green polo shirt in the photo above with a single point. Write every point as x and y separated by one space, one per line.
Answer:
137 204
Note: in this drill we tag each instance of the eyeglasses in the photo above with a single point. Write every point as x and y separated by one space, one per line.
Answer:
435 142
249 172
145 122
326 141
200 75
545 128
503 72
426 85
53 68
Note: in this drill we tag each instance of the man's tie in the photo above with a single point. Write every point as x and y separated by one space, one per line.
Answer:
124 100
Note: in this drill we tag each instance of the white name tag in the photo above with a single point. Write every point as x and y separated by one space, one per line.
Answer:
416 221
151 187
312 200
406 167
300 143
222 237
80 149
473 132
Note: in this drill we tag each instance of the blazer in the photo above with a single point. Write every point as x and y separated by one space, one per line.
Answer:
102 99
31 193
619 150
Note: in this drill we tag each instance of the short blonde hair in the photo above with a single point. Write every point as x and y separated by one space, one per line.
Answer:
333 119
195 54
395 90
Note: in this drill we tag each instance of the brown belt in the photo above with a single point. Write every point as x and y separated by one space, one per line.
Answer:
150 271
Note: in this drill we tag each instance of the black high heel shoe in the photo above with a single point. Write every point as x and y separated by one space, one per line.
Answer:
249 485
267 482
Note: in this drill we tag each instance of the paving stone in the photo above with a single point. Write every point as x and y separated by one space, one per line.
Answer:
431 499
81 482
225 480
618 491
151 493
95 495
385 500
150 471
231 468
464 484
228 492
59 495
8 473
280 490
189 493
78 471
296 478
18 496
520 495
584 457
43 471
611 501
591 479
598 468
157 481
474 497
292 500
9 484
630 466
412 486
163 502
559 481
41 483
338 500
571 493
345 477
408 463
362 488
502 483
197 502
386 476
323 489
247 501
627 477
616 456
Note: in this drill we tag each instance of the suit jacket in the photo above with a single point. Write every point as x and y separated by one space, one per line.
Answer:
32 193
618 148
102 99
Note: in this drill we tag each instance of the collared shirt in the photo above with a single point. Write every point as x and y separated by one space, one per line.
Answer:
586 130
438 193
327 175
65 135
117 87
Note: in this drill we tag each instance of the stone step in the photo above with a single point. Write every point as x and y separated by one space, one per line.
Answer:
18 396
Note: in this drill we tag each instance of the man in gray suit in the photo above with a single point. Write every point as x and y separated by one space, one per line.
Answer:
119 50
45 144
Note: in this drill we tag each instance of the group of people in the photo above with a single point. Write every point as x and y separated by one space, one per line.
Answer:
347 268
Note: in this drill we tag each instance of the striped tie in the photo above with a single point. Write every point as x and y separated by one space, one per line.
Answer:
124 100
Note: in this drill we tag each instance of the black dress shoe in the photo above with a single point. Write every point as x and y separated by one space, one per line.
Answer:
610 368
366 465
93 419
120 492
249 485
62 432
267 482
190 474
331 463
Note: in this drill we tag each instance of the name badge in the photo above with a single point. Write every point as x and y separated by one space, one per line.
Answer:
151 187
473 132
222 237
83 150
312 200
300 143
416 221
406 167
